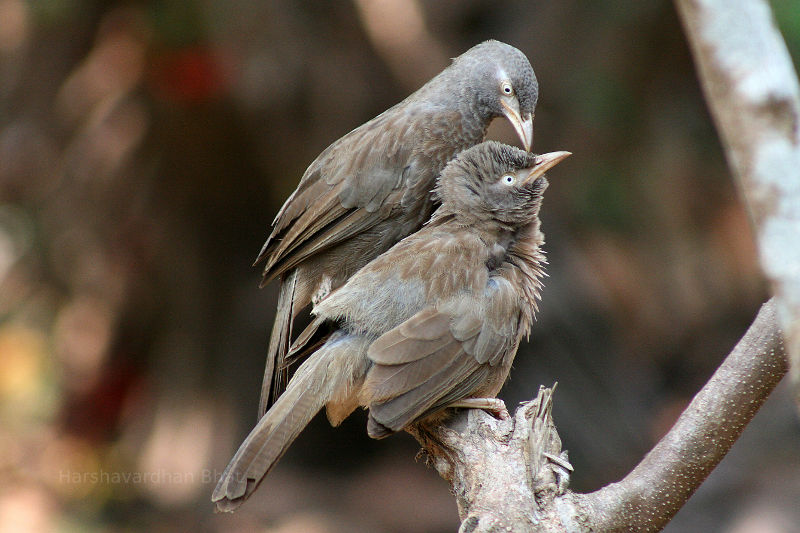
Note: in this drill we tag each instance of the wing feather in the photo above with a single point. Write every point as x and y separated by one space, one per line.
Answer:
349 224
441 354
356 174
455 381
391 381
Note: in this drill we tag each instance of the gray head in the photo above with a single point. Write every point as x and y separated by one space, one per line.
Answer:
498 80
495 182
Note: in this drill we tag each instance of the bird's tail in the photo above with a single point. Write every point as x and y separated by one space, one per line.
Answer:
313 385
275 373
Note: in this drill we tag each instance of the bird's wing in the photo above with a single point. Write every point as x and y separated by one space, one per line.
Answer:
307 342
429 265
349 188
355 184
440 355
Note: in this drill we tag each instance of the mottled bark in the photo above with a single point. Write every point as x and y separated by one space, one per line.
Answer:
505 473
753 94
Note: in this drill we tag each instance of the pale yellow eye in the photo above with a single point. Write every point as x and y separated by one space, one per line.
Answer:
506 88
508 179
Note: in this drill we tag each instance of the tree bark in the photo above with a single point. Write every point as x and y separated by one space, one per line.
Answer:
505 473
753 94
511 475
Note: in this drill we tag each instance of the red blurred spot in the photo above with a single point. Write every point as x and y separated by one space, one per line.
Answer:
95 414
190 75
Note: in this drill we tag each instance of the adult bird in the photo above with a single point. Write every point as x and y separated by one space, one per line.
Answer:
432 323
372 187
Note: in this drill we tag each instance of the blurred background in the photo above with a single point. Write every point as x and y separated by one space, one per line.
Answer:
145 148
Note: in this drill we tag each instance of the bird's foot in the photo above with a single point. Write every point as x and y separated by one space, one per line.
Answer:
495 406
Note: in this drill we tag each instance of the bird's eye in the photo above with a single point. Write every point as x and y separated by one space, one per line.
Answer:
508 179
507 89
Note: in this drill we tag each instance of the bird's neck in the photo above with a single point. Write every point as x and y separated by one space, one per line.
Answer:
527 261
492 232
515 253
496 235
476 118
441 101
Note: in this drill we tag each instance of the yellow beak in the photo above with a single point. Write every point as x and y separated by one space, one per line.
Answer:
544 163
522 125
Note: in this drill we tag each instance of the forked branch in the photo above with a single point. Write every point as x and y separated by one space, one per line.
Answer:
511 475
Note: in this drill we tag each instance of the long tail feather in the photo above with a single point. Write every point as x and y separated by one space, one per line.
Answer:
311 388
275 374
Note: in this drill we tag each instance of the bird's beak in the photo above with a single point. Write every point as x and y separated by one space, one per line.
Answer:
522 125
544 163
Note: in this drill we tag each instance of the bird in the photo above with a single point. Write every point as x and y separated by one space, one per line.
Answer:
371 188
432 323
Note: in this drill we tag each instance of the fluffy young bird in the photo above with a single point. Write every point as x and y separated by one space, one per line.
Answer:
371 188
432 323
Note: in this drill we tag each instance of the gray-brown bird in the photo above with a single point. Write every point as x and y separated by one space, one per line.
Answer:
372 187
432 323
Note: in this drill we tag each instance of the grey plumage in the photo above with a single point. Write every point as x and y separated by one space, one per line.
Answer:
435 319
372 187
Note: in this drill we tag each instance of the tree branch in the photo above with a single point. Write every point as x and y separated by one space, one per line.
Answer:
513 473
665 479
505 473
754 97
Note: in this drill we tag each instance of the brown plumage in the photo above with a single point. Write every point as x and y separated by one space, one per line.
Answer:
433 321
372 187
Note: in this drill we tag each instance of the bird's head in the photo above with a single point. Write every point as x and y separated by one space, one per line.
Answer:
494 182
502 84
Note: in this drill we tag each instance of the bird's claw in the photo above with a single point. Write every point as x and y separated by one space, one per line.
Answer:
494 406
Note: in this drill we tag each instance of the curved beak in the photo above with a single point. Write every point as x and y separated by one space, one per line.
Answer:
544 163
522 125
